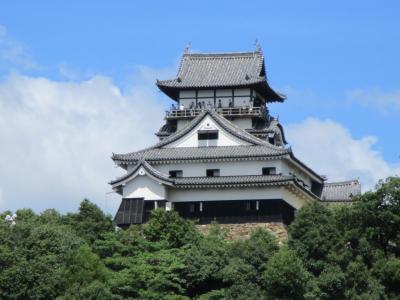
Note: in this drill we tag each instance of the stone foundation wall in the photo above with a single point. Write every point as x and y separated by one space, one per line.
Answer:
242 230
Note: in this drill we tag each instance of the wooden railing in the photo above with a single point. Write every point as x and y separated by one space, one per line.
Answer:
226 111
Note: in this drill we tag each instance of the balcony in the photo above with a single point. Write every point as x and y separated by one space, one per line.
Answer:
226 112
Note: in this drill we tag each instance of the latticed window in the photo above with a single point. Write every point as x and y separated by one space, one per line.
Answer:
207 135
269 171
175 173
212 172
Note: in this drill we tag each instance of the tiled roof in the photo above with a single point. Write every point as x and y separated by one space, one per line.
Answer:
271 126
220 181
156 152
340 191
242 69
228 181
259 148
220 120
149 169
203 153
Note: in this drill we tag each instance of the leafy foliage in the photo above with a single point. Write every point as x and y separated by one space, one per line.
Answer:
341 252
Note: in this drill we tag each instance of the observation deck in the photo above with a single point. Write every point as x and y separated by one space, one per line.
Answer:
176 114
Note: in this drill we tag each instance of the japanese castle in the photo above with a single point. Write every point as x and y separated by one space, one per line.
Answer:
221 155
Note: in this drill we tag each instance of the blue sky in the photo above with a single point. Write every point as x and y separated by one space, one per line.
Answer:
336 61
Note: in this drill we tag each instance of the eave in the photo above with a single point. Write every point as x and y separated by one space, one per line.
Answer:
261 87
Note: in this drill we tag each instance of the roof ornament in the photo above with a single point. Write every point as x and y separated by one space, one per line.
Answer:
187 48
258 45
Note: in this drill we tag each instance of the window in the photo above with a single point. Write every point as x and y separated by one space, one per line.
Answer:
175 173
269 171
271 140
207 135
212 172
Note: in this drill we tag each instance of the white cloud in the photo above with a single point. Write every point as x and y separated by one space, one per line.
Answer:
385 101
13 53
56 138
329 149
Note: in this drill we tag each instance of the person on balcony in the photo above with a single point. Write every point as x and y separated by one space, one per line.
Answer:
181 107
173 107
219 103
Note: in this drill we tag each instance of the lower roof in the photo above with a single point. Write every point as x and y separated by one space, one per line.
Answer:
231 181
342 191
199 153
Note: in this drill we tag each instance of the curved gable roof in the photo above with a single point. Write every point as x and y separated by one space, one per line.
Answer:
217 70
221 121
148 168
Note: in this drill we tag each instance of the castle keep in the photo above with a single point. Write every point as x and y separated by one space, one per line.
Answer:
221 155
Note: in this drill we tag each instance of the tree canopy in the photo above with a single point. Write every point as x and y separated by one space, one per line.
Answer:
339 252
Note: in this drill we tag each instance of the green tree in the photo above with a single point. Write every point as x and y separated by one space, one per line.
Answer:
255 251
387 271
285 277
204 262
82 269
156 275
170 227
314 235
32 258
90 222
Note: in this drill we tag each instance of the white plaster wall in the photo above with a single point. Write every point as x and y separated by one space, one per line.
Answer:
223 92
191 139
242 92
184 195
186 94
205 93
226 168
144 187
267 193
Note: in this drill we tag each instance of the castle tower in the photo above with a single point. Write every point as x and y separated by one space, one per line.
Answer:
232 84
221 155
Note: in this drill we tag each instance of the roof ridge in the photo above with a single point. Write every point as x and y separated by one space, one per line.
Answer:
345 182
223 54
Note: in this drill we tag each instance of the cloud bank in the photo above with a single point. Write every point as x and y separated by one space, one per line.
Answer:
57 138
328 148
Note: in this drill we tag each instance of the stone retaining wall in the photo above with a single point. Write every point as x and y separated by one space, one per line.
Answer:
242 231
